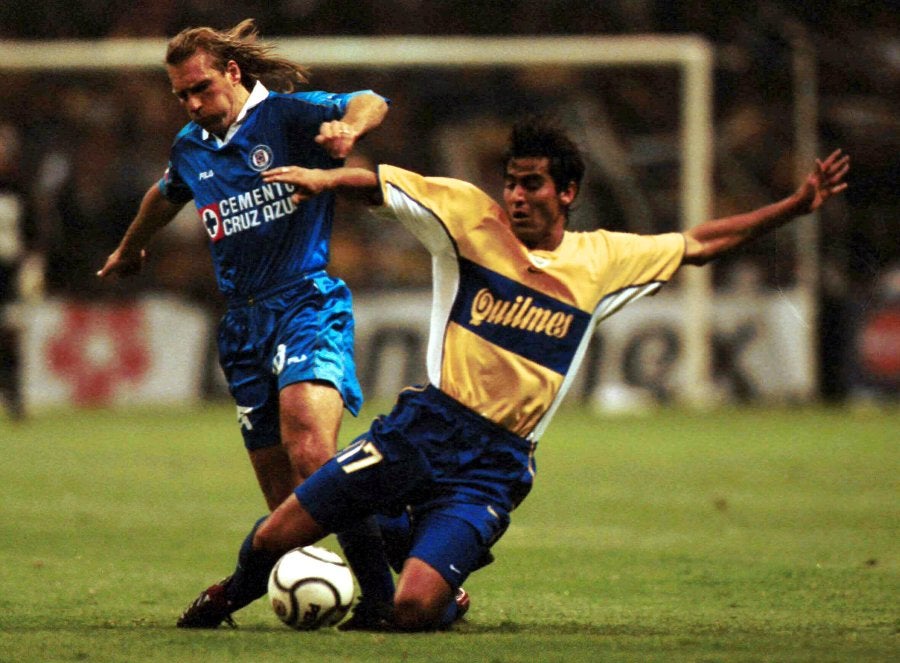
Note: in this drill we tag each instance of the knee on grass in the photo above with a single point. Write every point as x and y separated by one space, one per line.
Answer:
417 612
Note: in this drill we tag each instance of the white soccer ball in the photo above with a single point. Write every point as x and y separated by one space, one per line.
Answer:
310 587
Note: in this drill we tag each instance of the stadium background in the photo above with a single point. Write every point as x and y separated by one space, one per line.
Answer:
80 148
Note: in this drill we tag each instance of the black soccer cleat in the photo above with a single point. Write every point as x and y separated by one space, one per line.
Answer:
210 609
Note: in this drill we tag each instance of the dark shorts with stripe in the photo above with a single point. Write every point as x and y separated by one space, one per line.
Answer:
458 475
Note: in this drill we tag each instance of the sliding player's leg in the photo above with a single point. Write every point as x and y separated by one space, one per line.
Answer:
289 526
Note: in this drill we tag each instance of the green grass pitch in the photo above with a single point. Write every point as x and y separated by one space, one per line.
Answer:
738 535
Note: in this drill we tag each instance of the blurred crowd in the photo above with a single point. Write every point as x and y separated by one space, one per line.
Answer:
78 150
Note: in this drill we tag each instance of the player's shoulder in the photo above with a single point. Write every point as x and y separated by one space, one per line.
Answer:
447 192
607 237
621 248
307 97
388 172
190 131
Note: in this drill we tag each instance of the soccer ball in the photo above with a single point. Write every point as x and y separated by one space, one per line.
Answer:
310 587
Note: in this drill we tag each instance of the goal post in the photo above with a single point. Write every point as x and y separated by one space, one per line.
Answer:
691 56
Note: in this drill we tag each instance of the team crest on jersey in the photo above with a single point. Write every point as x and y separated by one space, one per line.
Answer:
212 221
261 158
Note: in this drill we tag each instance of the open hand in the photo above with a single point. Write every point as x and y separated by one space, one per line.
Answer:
309 182
825 181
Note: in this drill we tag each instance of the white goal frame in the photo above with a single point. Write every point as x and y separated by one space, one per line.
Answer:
692 56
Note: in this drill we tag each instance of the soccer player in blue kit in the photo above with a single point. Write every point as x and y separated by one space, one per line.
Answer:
286 340
516 300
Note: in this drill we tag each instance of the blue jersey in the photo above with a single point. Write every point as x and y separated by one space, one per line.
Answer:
260 240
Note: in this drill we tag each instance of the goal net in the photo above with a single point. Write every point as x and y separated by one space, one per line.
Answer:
639 105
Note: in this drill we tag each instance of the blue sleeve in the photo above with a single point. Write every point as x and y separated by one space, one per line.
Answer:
332 105
173 187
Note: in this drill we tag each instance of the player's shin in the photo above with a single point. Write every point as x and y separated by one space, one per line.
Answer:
365 553
396 533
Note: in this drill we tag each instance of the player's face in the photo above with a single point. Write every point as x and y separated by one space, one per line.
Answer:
536 210
212 98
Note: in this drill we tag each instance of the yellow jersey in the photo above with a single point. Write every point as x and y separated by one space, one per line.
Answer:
509 326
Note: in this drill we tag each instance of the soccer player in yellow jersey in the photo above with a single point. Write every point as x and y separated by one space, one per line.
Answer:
516 298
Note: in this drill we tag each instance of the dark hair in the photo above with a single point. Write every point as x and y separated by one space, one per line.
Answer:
542 136
239 44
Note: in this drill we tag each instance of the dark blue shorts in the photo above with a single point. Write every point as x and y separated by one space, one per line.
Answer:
458 474
299 333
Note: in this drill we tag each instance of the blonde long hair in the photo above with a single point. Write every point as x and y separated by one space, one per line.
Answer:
255 60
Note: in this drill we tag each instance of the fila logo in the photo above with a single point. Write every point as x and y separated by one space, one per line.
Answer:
206 174
280 361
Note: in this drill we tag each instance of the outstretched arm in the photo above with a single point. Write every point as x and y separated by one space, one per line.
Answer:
154 213
364 113
355 182
713 238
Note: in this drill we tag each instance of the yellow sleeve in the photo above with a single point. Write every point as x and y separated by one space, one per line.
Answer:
458 206
625 259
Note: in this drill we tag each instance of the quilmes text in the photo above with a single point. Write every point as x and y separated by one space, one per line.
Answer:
520 313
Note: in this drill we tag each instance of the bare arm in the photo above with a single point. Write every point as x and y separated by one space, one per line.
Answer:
154 213
359 183
713 238
364 113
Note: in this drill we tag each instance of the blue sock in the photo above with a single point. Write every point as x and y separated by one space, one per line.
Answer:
250 580
449 616
364 550
396 532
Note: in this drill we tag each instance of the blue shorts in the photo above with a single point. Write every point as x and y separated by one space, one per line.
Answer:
458 474
299 333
